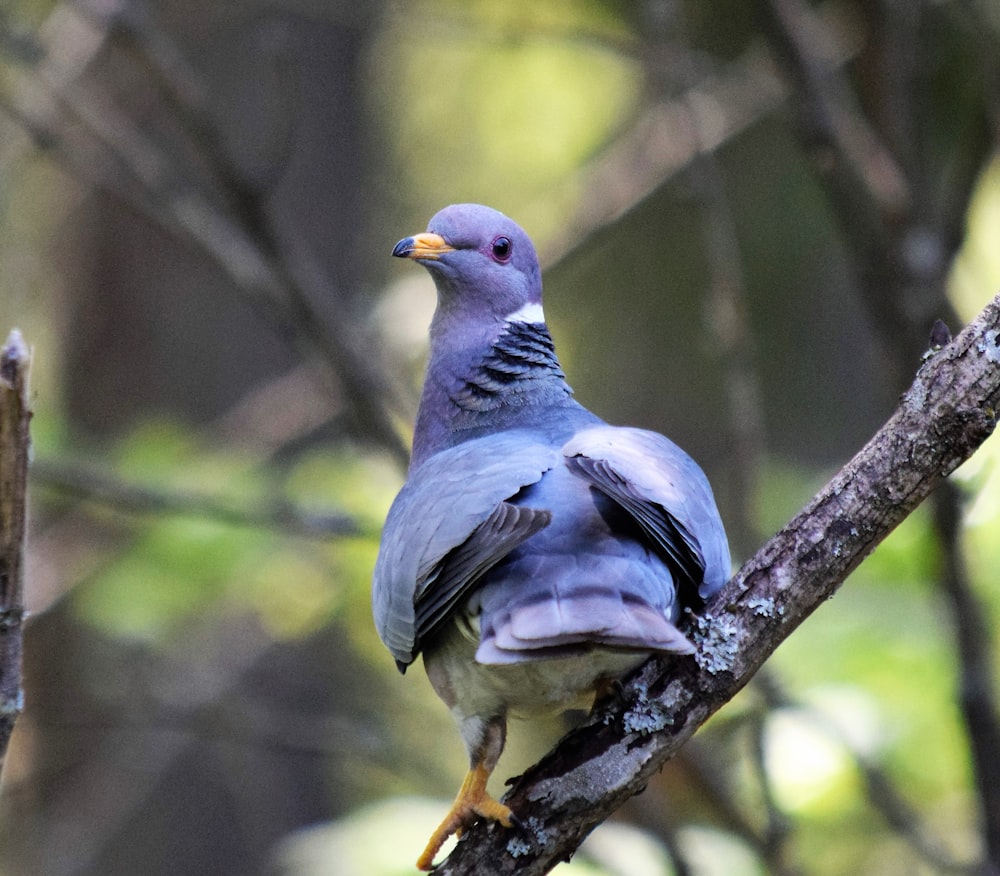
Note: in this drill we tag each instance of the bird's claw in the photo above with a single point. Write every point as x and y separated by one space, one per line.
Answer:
471 804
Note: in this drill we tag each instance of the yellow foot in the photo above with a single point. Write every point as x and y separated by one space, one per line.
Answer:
471 804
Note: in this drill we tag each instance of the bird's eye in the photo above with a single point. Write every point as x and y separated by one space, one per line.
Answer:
501 249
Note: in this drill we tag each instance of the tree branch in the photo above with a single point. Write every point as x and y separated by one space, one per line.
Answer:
947 413
98 485
976 695
14 443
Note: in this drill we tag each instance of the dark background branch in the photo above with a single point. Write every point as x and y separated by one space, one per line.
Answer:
976 682
93 484
856 145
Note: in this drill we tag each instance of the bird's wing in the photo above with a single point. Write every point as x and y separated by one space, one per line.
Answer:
666 493
450 523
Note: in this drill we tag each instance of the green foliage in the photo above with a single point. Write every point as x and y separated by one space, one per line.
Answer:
171 571
877 669
975 274
538 87
174 567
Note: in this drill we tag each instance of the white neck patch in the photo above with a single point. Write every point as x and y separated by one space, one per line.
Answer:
530 313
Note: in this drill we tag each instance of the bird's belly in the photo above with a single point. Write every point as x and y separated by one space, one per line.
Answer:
559 683
547 685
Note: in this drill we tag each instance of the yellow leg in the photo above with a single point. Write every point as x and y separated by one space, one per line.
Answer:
471 803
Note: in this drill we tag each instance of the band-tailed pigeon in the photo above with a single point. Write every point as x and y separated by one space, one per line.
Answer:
535 553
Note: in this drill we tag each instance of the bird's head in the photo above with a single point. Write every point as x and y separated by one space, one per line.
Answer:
482 263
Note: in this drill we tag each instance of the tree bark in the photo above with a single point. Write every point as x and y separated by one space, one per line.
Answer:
946 414
15 416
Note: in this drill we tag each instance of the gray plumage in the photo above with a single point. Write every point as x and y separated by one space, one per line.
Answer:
534 551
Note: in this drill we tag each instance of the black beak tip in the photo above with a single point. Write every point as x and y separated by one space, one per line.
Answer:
402 249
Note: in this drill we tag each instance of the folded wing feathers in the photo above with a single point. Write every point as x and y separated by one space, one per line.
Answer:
507 527
454 521
656 505
443 504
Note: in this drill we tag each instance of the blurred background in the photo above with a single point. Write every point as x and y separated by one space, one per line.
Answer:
750 216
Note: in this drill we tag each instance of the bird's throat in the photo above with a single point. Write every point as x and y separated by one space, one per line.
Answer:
519 368
489 388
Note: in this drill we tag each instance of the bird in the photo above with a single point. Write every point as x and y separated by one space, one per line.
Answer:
535 554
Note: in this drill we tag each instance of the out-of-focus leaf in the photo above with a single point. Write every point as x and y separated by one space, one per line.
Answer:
534 102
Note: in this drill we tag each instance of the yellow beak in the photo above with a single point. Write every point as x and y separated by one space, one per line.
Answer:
422 246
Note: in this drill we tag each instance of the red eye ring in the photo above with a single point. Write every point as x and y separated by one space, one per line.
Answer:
501 249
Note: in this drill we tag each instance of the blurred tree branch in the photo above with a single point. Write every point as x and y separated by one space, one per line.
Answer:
712 108
229 221
976 682
98 485
665 138
15 416
948 411
882 793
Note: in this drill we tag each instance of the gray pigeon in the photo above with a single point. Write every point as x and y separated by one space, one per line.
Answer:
535 553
